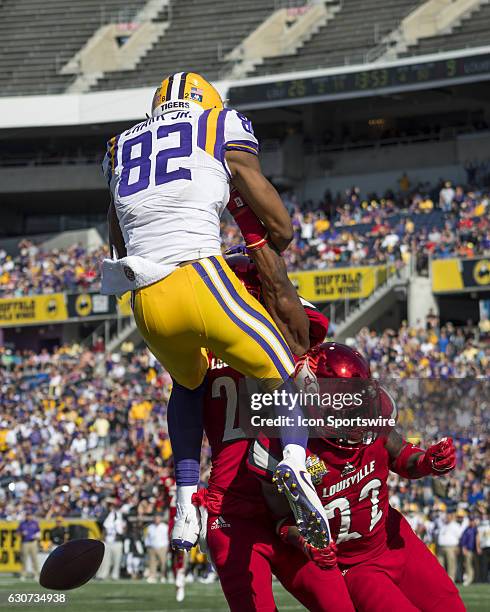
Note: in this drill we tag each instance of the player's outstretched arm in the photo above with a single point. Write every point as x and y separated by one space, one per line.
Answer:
410 461
281 299
116 239
262 197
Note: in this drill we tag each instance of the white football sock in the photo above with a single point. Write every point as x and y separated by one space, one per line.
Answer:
294 452
184 494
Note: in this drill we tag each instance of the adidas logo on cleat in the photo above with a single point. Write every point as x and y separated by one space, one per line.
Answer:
219 523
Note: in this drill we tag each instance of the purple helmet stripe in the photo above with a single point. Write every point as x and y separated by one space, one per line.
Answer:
168 93
202 124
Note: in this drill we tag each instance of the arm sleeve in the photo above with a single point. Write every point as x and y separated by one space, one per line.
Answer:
399 465
239 134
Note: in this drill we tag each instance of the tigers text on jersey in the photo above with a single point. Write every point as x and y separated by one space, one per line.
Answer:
169 182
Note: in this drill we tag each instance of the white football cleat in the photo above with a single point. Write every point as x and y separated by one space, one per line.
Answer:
186 528
294 481
180 594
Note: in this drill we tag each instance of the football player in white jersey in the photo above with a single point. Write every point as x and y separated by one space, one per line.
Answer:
169 178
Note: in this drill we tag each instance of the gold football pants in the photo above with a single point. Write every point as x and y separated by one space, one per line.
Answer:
203 306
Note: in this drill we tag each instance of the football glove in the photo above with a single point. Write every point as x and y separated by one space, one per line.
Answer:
438 459
324 558
253 232
199 500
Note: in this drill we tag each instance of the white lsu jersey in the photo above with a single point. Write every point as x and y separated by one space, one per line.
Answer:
169 182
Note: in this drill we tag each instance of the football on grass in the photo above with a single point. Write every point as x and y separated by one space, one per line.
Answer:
72 564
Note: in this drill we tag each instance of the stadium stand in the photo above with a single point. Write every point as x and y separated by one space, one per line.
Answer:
349 230
38 38
36 271
220 27
471 32
356 28
341 231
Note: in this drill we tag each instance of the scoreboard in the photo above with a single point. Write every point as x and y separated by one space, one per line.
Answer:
358 83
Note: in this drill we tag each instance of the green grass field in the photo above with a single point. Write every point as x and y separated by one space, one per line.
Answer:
125 596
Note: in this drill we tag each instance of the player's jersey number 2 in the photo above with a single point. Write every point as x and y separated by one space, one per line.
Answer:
228 385
342 505
137 167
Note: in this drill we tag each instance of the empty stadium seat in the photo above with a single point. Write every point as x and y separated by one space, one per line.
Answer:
39 38
355 29
471 32
200 35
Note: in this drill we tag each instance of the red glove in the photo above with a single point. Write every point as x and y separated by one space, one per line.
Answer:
324 558
200 498
253 232
438 459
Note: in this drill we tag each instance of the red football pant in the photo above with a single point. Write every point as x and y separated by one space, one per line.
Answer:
405 578
246 553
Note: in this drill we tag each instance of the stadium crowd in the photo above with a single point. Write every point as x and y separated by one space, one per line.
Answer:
347 230
83 433
34 270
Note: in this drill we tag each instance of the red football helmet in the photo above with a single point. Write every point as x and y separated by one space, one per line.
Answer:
340 369
244 267
388 404
336 360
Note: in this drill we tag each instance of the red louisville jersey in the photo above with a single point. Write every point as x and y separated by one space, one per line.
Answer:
352 484
232 488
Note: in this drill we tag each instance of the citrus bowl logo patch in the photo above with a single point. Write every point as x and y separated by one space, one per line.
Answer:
316 468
